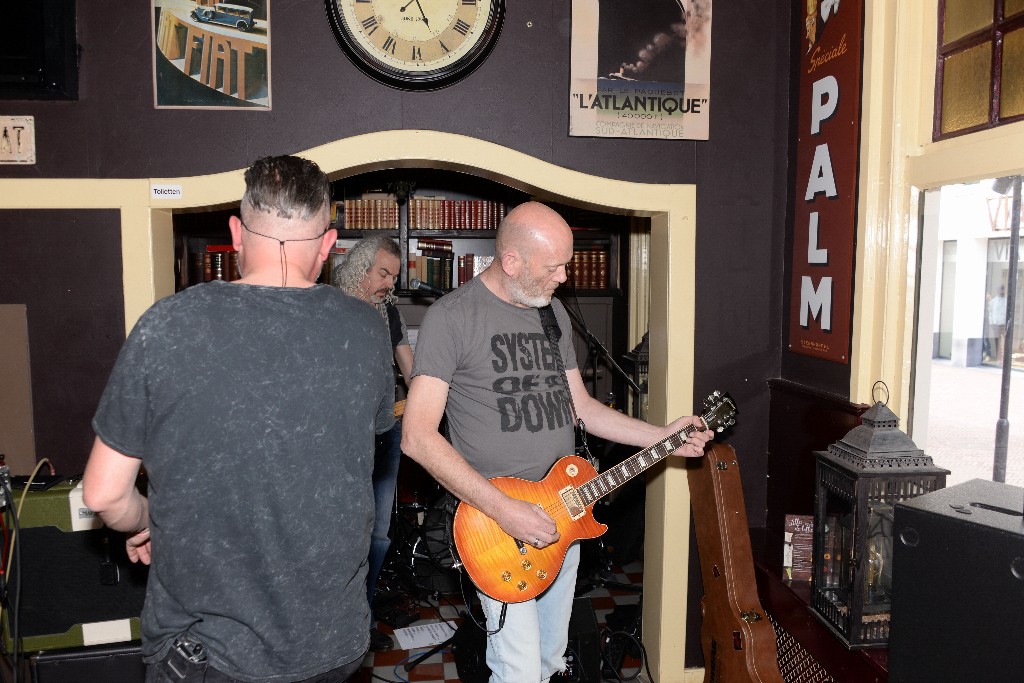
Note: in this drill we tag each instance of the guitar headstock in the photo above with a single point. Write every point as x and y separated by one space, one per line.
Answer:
718 411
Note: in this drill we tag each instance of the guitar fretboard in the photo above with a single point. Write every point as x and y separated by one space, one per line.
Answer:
614 477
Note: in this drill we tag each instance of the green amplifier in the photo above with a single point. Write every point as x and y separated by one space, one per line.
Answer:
77 586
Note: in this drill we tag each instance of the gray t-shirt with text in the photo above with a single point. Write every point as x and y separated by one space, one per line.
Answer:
508 409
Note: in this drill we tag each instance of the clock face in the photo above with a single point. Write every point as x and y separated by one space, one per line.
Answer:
418 44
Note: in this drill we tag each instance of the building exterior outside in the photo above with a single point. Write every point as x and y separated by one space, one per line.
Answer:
972 222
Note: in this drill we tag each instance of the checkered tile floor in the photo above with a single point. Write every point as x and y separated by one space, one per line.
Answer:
440 667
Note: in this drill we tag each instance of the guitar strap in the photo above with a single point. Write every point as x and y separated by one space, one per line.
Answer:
553 332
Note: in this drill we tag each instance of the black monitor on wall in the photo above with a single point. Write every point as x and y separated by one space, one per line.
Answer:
38 50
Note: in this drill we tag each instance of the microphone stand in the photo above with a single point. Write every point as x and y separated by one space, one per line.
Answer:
595 344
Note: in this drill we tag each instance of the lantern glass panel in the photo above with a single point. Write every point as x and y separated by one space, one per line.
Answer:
878 577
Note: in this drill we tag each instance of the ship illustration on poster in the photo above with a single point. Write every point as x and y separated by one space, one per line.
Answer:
641 72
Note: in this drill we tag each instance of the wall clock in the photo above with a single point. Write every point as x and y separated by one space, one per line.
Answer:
416 44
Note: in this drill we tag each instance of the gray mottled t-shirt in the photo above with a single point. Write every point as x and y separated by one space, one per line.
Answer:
254 410
508 409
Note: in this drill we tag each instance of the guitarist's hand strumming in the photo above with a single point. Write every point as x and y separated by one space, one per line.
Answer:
528 522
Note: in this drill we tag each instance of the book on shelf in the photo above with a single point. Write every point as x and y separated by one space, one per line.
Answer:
425 244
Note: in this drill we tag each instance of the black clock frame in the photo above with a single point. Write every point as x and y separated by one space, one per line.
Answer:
401 79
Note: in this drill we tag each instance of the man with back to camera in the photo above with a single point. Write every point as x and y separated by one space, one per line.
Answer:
253 405
483 359
369 272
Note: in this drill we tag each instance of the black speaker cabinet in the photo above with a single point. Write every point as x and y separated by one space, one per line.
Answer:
583 656
78 587
120 663
958 585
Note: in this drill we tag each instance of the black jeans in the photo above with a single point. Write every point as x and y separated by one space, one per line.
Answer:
177 667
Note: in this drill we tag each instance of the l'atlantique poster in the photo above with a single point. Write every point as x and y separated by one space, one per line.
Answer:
640 69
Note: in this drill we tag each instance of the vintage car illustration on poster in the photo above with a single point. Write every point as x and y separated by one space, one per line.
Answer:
222 13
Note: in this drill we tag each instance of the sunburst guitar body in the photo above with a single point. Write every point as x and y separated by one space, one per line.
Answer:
509 570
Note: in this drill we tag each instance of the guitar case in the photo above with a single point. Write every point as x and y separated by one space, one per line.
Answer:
737 638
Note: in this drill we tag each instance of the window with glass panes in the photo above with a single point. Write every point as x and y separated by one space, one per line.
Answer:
979 76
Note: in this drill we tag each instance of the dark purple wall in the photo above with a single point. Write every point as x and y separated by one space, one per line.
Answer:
517 98
65 266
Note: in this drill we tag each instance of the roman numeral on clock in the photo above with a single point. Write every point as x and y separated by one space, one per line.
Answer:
370 25
417 53
389 45
461 26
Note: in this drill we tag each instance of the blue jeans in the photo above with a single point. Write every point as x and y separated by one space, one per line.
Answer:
385 478
530 648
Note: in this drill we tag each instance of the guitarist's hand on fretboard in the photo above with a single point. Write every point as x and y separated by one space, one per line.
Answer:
696 438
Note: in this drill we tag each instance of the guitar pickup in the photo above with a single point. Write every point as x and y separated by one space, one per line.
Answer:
573 503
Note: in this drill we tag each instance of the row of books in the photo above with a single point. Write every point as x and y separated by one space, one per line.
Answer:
437 213
218 262
380 213
588 269
425 213
447 272
436 264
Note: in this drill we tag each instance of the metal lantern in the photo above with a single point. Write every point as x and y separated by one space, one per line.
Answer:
859 481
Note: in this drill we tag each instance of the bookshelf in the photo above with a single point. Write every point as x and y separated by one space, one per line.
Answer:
445 224
202 248
447 218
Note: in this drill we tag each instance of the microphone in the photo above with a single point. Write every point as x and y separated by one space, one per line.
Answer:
416 283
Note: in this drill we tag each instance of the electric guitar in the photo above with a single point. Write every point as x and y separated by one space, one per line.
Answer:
509 570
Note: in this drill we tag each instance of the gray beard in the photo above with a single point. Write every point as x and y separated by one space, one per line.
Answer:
519 296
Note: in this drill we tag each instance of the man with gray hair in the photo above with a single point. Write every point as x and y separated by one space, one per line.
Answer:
253 405
369 273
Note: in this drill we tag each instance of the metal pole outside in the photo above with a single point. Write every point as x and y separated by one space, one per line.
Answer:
1003 424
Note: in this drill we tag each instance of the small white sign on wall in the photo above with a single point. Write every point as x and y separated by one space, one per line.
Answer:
165 191
17 140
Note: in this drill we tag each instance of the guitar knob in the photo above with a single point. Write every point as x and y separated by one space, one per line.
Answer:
506 576
527 565
542 574
521 585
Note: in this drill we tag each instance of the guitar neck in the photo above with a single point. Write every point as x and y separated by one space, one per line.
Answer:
614 477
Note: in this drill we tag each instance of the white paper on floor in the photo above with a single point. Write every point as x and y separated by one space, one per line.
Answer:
424 635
